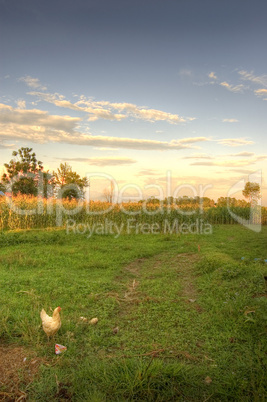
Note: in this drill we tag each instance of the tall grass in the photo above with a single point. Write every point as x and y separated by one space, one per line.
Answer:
29 212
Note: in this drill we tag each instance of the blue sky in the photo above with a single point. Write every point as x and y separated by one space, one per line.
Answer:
136 89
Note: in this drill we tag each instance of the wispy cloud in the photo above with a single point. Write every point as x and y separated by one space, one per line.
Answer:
233 88
111 110
98 161
235 142
198 156
6 146
243 154
128 143
212 75
193 139
242 171
256 79
249 158
111 161
33 83
224 163
148 172
261 157
230 121
21 104
261 93
252 155
184 72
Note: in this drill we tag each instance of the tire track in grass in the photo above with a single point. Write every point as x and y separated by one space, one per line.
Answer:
182 264
189 293
159 306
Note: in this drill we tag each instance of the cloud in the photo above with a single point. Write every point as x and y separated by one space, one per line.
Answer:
36 117
56 99
35 125
212 75
242 171
106 149
260 79
193 139
198 156
234 142
184 72
6 146
111 110
33 83
98 161
40 127
148 172
21 104
261 157
154 115
128 143
251 159
232 88
230 121
224 163
261 93
243 154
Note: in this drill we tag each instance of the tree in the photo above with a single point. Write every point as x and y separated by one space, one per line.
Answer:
24 174
69 184
26 162
252 192
25 185
109 193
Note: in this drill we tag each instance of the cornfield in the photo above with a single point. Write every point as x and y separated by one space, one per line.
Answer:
29 212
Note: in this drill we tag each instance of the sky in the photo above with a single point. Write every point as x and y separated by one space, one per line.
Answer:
165 97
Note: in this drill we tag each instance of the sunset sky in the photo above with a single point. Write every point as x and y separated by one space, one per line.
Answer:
138 90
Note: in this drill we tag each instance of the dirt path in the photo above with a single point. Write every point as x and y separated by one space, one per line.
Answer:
158 308
185 265
181 266
17 366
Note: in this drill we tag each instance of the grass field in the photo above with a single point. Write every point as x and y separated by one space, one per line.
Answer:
181 317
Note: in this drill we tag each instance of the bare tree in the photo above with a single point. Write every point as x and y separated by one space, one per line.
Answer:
109 193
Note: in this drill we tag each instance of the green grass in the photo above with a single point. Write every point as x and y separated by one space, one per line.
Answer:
186 307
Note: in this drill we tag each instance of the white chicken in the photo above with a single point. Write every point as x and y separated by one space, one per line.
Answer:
51 324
